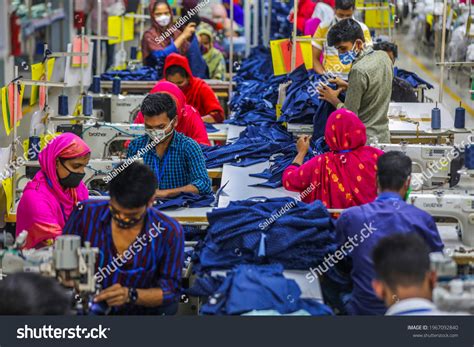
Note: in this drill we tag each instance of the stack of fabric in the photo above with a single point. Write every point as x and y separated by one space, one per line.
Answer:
281 28
266 231
186 200
252 289
302 104
411 77
256 144
144 73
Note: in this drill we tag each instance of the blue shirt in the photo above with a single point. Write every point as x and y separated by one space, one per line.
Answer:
155 259
183 163
365 225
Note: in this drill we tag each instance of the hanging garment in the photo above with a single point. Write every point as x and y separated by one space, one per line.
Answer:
411 78
248 287
185 200
255 144
263 231
196 61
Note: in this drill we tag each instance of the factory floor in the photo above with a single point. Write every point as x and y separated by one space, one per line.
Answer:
414 56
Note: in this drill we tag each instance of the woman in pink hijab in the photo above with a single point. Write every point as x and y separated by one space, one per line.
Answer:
50 197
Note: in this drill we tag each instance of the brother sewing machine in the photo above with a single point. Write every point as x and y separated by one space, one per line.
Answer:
116 108
67 261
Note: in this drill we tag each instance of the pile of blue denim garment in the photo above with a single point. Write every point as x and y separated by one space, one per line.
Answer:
302 104
274 173
248 287
185 200
266 231
256 144
281 28
210 128
411 78
144 73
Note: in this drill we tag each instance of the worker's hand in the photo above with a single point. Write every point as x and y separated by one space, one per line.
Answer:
303 144
161 194
340 83
189 30
328 94
208 119
115 295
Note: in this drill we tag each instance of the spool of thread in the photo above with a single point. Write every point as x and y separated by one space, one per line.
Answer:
133 53
436 118
95 86
116 86
63 109
33 147
469 157
87 102
460 117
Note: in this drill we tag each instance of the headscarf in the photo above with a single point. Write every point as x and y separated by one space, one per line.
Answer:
198 93
346 175
189 119
150 40
214 58
45 205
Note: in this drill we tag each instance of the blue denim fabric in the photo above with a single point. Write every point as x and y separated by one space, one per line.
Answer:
281 28
249 287
297 238
185 200
145 73
196 61
211 128
255 144
410 77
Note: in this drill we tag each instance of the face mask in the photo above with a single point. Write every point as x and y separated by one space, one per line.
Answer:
158 135
124 223
204 50
72 180
348 58
163 20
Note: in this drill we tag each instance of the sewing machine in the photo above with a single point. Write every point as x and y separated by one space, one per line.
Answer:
428 160
107 139
67 261
117 108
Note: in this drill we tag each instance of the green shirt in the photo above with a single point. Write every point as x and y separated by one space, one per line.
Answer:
369 91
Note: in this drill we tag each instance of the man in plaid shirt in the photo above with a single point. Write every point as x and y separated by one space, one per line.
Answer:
176 160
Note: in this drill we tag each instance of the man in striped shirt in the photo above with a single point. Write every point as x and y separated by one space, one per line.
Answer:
141 249
344 9
176 160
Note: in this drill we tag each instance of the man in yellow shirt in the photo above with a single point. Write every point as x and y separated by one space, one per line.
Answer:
344 9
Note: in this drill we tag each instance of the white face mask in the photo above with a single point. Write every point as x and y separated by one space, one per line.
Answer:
158 135
163 20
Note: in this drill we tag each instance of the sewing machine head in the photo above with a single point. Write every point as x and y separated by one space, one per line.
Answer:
117 108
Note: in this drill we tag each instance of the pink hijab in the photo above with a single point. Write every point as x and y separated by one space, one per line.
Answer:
45 205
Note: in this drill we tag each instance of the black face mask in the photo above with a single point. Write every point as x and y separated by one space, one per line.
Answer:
72 180
124 223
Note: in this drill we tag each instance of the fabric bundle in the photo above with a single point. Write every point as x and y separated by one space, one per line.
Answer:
281 28
411 78
256 144
144 73
186 200
266 231
248 288
302 104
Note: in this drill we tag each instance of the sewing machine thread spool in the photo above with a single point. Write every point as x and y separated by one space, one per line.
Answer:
133 53
95 86
460 117
87 107
33 147
63 109
436 118
116 86
469 157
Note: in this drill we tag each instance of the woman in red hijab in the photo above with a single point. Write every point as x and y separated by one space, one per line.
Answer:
198 93
161 39
343 177
189 119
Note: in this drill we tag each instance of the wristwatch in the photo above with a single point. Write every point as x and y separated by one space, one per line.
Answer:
132 295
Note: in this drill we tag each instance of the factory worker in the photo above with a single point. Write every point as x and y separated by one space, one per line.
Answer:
50 197
198 93
142 250
343 177
369 87
212 56
360 228
162 38
331 63
177 160
189 119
